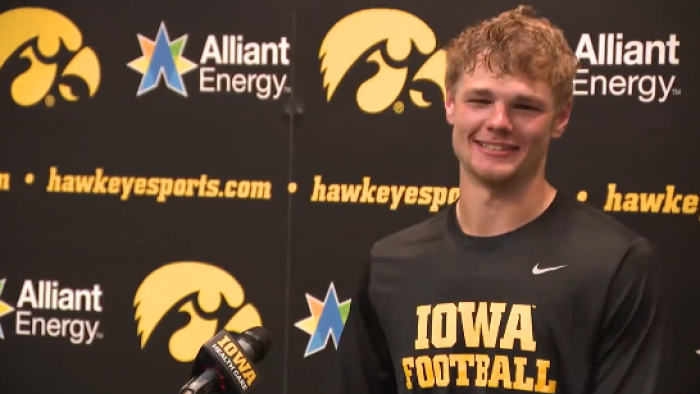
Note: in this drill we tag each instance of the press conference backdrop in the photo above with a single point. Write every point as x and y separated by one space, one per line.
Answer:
145 210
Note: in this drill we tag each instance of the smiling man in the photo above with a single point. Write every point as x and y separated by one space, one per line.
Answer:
516 286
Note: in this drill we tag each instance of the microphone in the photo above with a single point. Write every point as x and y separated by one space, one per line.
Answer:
224 364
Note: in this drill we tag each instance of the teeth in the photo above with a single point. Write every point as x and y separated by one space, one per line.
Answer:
494 147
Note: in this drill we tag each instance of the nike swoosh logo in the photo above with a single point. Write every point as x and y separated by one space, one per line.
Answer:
537 270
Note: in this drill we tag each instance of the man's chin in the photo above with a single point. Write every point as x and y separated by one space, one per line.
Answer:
493 177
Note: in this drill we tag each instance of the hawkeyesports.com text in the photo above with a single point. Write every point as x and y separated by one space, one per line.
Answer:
161 188
368 192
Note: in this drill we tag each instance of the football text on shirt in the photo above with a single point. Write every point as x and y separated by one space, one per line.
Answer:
438 327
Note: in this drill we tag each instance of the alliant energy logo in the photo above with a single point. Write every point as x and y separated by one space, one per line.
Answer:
5 308
223 55
327 320
47 309
633 62
224 61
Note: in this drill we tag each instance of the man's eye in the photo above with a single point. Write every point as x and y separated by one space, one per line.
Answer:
526 107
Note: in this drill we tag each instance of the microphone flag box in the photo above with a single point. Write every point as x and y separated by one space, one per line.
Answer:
232 362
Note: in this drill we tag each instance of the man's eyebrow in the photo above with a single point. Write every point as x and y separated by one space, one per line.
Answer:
479 91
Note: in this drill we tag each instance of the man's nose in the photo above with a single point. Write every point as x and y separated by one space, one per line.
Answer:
499 119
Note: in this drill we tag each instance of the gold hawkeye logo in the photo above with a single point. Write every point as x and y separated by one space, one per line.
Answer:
170 284
355 34
18 28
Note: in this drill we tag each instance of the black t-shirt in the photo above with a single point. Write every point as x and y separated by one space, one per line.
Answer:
565 304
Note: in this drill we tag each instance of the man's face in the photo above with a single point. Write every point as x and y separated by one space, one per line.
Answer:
503 125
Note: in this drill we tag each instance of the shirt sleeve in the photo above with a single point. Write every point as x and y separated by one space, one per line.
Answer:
362 363
629 346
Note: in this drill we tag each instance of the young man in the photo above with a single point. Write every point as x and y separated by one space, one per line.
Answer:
515 286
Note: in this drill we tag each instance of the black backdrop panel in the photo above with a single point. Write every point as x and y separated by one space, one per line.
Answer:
175 204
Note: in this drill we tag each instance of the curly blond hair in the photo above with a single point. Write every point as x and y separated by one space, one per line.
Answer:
516 42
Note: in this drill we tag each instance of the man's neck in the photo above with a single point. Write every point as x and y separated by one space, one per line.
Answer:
486 212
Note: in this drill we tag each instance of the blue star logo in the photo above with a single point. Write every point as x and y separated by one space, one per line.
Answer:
162 59
327 320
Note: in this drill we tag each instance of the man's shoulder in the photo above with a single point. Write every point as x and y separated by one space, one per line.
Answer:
596 225
413 240
598 236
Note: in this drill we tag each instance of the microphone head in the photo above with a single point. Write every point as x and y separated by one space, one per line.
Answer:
260 341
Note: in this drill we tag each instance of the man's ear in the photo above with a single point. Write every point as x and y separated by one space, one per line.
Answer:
562 119
450 108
